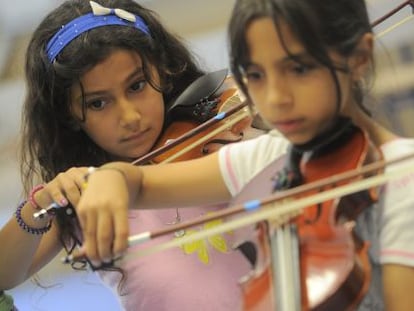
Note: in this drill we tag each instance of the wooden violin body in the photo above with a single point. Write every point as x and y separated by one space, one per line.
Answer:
328 260
224 98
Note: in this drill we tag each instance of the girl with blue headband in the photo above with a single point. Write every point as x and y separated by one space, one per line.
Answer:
302 64
99 77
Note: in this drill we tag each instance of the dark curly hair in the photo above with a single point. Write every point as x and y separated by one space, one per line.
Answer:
50 144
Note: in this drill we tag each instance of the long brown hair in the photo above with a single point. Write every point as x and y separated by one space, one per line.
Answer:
50 143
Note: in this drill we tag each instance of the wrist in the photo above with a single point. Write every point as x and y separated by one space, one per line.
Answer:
38 197
131 174
106 167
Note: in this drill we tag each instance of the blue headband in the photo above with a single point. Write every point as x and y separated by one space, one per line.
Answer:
100 16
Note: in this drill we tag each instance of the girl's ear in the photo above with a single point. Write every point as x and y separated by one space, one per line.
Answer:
362 56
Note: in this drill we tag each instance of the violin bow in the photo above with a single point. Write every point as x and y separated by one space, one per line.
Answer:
392 12
277 206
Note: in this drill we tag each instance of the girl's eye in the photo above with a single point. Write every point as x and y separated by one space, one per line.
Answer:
96 104
253 75
301 69
138 85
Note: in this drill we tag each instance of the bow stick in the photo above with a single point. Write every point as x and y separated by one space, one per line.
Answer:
279 208
392 12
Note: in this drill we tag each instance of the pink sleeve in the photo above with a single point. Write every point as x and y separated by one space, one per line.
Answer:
228 170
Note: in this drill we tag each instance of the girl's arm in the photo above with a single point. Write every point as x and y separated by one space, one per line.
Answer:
185 183
396 242
24 253
111 189
398 285
189 183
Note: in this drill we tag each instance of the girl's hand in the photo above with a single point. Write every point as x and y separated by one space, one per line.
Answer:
103 215
65 188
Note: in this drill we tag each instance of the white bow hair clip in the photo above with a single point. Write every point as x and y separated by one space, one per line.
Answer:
98 10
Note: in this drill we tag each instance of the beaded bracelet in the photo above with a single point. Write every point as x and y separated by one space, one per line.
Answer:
27 228
32 193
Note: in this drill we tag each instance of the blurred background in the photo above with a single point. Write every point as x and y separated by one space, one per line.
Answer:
202 25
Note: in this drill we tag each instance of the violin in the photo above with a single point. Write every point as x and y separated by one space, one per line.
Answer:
207 115
312 261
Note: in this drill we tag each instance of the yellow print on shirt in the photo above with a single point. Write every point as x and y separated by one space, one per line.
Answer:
200 247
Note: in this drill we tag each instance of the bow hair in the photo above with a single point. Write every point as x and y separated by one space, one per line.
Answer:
98 10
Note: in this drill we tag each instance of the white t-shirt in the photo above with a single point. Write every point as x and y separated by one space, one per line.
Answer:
240 163
387 225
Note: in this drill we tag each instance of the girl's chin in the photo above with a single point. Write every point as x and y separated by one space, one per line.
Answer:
298 139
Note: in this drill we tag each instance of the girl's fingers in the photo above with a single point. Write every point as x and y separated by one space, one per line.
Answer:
102 247
88 223
105 236
71 190
70 184
121 232
79 178
65 188
103 213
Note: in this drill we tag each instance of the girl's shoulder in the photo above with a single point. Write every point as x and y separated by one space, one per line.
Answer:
261 149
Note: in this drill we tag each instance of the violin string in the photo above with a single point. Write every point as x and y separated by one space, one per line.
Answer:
274 210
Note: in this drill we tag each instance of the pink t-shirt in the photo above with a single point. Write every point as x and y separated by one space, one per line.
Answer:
203 275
